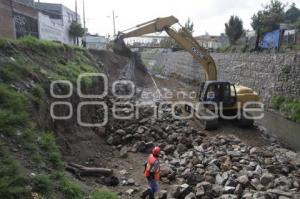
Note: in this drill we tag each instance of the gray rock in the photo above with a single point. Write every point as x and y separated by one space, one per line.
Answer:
266 178
130 192
165 170
168 149
228 196
206 185
216 190
174 191
280 192
243 179
123 152
190 196
114 140
185 189
228 190
238 190
199 191
283 197
130 181
221 179
181 148
163 194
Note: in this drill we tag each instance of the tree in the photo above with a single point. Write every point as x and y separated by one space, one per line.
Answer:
76 31
189 25
268 19
234 29
296 24
292 14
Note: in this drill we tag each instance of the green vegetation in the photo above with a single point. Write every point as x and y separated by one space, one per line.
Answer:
27 67
233 48
292 14
157 69
12 176
76 31
41 184
47 143
12 102
234 29
293 47
71 189
287 106
103 194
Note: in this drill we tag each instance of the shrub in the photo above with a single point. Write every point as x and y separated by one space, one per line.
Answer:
47 143
41 184
288 106
38 45
12 102
277 101
103 194
70 189
12 177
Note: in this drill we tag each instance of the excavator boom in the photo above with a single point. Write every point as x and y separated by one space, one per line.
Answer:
184 39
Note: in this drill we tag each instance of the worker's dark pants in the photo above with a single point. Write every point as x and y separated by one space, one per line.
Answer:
153 185
152 189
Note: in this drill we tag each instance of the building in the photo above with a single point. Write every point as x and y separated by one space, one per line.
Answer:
26 2
18 18
95 42
56 25
212 42
50 29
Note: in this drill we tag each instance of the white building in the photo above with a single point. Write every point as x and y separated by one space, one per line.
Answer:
95 42
59 19
50 29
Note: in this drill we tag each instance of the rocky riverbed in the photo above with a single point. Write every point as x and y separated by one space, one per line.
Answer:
195 165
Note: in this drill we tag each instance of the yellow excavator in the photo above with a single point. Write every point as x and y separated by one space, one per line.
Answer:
228 97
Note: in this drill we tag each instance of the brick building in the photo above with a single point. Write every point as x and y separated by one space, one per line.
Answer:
17 19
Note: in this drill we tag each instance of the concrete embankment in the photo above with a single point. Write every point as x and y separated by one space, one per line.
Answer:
268 74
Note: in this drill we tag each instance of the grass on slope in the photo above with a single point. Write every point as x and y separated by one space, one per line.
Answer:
26 68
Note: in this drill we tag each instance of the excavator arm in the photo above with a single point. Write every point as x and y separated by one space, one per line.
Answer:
184 40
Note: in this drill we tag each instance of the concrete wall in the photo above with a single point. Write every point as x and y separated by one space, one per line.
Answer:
268 74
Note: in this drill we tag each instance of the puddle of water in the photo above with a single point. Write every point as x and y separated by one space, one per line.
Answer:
287 132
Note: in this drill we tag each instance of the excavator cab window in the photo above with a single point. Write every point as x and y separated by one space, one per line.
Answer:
220 92
228 94
212 93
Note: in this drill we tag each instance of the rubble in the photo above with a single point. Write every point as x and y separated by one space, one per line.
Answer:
194 165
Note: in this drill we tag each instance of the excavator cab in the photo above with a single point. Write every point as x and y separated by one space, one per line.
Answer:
218 92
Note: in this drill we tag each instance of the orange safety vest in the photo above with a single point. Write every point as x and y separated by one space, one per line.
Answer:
148 167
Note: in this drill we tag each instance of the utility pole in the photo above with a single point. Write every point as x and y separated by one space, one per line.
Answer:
84 22
76 17
114 21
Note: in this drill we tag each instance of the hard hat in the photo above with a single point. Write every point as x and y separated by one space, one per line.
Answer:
156 151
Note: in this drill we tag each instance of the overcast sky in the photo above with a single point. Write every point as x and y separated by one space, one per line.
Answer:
208 15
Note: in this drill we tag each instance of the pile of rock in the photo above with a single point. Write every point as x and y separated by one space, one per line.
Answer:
197 166
227 168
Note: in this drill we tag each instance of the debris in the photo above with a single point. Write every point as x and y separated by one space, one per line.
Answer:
80 170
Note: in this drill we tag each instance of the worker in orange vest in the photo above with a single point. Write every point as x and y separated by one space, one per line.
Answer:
152 173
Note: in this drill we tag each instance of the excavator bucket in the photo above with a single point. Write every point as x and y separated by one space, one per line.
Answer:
119 47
